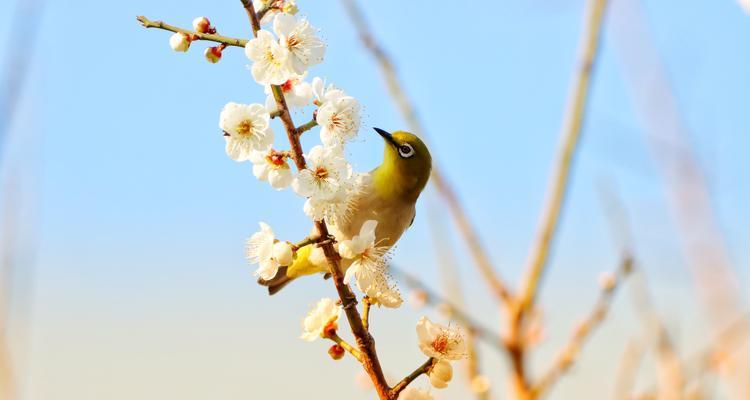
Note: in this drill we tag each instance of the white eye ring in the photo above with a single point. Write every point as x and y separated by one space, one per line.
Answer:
405 150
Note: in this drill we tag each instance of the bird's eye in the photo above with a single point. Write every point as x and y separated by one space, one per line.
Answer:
405 150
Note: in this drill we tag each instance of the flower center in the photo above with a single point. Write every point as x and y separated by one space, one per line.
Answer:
292 41
440 344
245 128
321 173
287 86
276 158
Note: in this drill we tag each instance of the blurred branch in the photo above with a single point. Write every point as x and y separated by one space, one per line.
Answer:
628 369
408 111
147 23
451 283
688 196
571 131
668 361
584 330
434 299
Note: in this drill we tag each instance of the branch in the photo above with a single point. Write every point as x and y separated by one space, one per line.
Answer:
254 18
422 369
346 346
365 342
408 111
306 127
202 36
571 131
583 332
366 305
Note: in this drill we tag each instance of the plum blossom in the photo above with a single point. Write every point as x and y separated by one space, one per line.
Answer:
412 393
439 341
263 249
272 166
368 267
298 36
297 93
324 313
246 128
322 179
338 117
271 62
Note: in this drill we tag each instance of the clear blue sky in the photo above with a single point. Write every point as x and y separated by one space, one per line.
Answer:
140 286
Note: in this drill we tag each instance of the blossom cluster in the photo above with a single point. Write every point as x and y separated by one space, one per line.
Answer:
280 55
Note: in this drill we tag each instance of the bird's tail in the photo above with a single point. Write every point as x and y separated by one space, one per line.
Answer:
277 282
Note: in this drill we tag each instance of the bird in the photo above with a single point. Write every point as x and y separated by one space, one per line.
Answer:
388 195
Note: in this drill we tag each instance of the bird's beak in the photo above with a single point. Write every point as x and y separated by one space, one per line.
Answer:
386 135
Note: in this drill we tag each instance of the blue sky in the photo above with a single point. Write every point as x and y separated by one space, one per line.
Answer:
140 289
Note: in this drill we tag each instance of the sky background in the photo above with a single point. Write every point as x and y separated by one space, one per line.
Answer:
134 283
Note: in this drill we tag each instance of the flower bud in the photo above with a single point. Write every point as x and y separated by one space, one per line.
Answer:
203 25
179 42
336 352
418 298
440 374
213 55
607 281
282 252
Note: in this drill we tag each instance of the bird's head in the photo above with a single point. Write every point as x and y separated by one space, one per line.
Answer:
406 165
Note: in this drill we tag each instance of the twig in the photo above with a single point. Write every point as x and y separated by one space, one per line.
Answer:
346 346
408 111
366 305
627 370
306 127
583 332
432 298
252 16
202 36
668 360
422 369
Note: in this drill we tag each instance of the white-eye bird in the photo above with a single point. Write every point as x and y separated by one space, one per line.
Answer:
388 195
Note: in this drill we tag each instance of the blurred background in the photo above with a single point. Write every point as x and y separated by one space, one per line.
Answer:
123 221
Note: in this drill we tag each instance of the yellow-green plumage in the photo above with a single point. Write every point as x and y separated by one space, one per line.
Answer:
388 195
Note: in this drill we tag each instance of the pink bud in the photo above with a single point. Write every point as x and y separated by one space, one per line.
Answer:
213 54
179 42
203 25
336 352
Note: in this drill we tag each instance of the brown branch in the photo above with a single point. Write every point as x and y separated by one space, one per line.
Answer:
346 346
254 18
408 112
365 342
306 127
147 23
366 306
583 332
422 369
